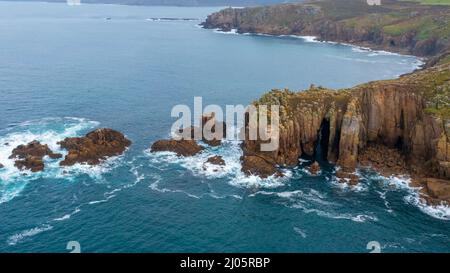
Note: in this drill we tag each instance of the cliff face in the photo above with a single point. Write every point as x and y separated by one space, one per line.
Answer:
395 26
409 117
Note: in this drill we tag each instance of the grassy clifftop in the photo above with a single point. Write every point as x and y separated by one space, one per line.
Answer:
400 26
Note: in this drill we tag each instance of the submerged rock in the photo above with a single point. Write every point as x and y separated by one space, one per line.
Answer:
255 165
31 156
346 177
180 147
1 165
434 191
314 168
94 147
186 145
216 160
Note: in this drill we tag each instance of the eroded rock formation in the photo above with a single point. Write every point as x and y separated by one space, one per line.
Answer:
210 132
396 126
180 147
216 160
314 169
94 147
31 156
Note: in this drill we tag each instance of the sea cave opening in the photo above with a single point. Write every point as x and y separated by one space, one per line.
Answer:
321 148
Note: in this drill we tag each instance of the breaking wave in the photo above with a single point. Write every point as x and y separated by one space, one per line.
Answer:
312 201
48 131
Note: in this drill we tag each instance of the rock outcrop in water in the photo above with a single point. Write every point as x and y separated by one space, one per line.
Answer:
180 147
212 137
187 145
404 27
216 160
397 126
94 147
314 169
31 156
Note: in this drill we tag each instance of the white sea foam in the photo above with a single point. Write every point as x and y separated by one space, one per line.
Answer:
309 39
441 211
68 215
300 231
362 186
155 186
14 239
413 196
355 48
231 153
232 31
48 131
312 201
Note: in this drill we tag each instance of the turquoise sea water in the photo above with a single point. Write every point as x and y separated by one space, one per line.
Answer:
65 70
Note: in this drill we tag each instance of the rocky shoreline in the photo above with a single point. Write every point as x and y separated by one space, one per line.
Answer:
401 27
395 127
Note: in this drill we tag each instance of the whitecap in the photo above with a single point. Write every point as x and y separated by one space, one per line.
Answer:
18 237
300 231
48 131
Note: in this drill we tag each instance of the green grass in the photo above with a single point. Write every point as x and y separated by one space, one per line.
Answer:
441 112
433 2
426 26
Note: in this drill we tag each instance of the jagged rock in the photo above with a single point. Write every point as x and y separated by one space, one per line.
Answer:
213 138
314 168
255 165
1 165
397 126
31 156
216 160
32 163
433 190
180 147
34 148
350 136
94 147
387 161
345 177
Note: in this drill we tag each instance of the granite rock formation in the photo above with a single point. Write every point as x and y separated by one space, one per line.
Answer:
216 160
180 147
396 126
94 147
31 156
314 169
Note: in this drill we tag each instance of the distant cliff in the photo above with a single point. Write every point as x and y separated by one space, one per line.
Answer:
398 26
237 3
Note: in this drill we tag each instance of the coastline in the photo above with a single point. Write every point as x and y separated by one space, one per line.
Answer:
314 39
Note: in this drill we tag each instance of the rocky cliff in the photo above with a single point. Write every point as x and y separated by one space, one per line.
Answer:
395 126
399 26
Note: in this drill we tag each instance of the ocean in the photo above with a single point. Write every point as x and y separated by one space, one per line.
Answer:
66 70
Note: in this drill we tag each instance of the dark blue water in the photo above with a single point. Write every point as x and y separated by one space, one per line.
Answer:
66 70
